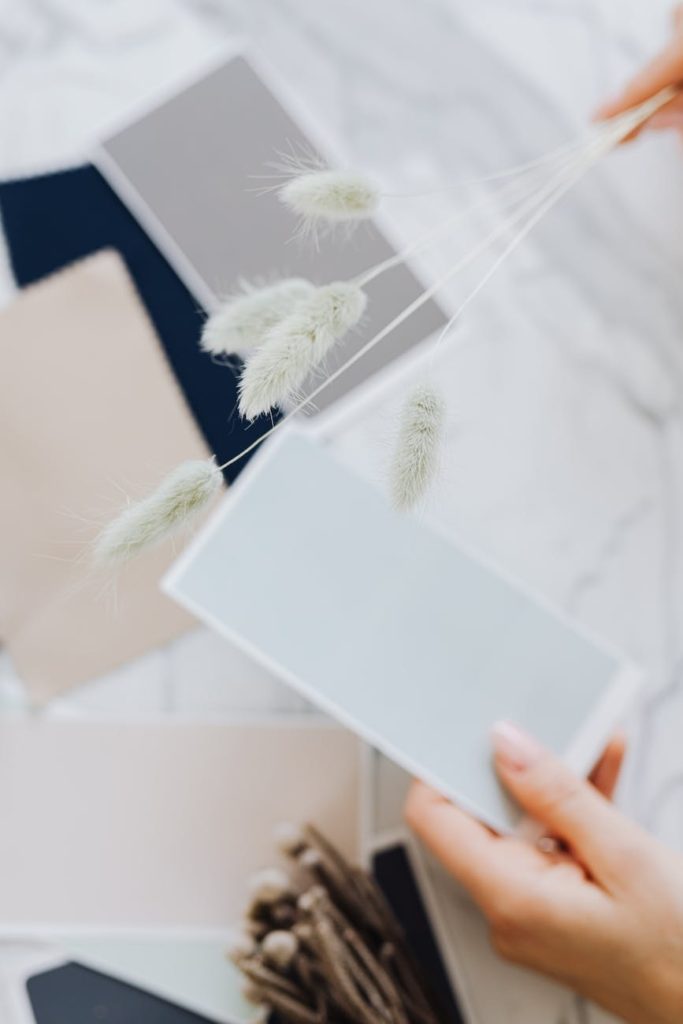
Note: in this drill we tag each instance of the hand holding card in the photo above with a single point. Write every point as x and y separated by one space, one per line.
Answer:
404 637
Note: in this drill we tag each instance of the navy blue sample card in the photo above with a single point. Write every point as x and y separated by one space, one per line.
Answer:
53 220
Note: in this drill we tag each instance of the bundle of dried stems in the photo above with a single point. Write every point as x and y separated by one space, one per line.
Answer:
321 946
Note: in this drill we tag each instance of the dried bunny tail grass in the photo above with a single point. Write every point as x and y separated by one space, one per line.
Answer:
178 499
297 345
243 320
330 196
417 445
523 220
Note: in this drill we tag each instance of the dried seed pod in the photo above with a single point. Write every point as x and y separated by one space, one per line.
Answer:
240 946
289 838
312 898
303 931
269 885
279 948
309 858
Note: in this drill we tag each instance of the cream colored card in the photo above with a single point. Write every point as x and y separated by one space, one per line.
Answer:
89 410
157 825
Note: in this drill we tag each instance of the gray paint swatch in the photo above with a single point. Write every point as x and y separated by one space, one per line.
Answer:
189 169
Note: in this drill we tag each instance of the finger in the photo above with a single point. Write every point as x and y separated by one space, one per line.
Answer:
671 117
573 809
666 69
466 848
668 116
605 775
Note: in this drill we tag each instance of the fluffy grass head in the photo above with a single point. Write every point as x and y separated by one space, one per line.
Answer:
177 500
330 197
415 459
297 345
242 321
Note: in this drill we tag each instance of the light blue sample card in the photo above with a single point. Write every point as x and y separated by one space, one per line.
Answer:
411 641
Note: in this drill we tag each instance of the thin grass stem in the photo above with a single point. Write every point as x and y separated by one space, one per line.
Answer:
617 129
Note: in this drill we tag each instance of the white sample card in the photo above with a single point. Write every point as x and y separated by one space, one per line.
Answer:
406 638
157 825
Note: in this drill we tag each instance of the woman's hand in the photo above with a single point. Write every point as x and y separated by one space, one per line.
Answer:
665 69
605 917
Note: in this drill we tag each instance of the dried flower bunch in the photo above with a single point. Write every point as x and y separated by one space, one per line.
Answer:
320 945
285 331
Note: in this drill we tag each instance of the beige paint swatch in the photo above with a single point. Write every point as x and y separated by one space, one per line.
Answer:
158 825
89 413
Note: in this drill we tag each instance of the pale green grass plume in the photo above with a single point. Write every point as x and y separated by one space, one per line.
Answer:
177 500
242 321
330 196
415 459
297 345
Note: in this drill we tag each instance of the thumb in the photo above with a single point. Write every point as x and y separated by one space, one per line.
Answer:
598 834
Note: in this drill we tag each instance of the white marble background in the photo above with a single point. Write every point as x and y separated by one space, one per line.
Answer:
566 460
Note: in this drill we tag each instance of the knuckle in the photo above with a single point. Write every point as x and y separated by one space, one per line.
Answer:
564 791
629 859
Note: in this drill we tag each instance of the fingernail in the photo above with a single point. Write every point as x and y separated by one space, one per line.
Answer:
514 748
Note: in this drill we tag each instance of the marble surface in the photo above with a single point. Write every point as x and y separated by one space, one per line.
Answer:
566 425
